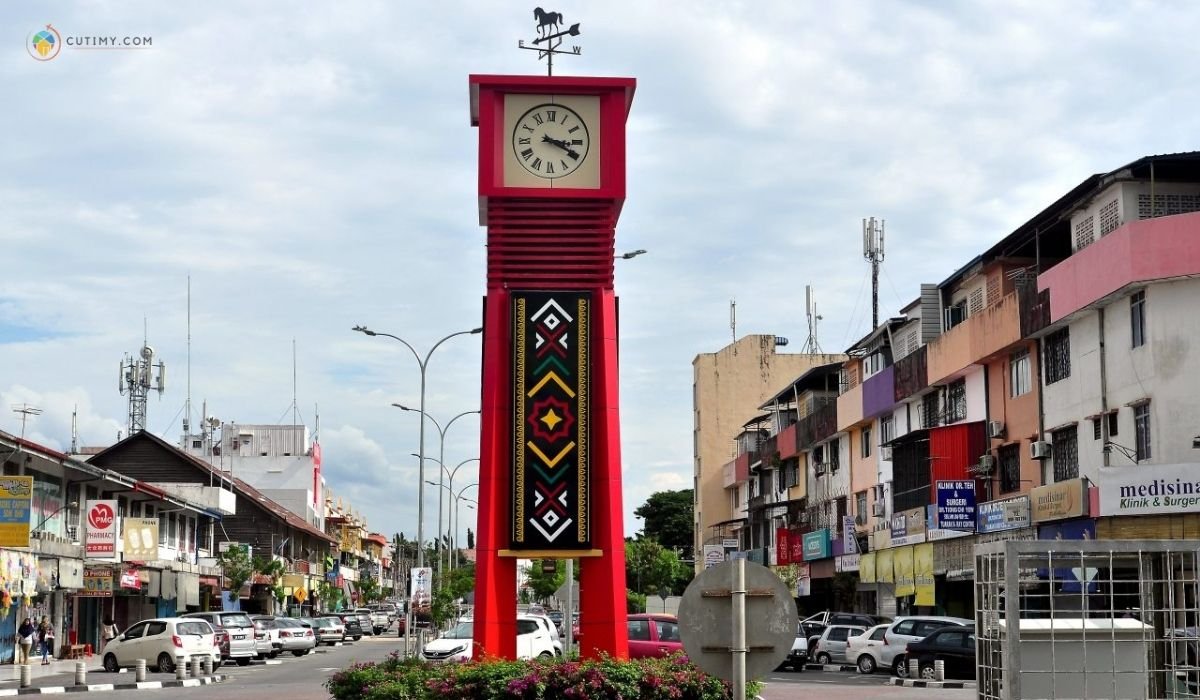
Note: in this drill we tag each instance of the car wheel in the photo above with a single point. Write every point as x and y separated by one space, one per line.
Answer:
300 652
243 661
866 664
358 638
110 663
927 672
273 654
900 667
545 655
824 658
166 663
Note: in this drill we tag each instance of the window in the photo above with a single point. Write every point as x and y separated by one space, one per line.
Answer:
951 639
1137 319
1110 218
877 635
1057 355
155 627
529 627
1065 453
905 627
926 627
835 454
976 299
1097 425
1019 374
860 507
865 437
1085 232
838 634
887 430
667 631
1010 467
956 401
1141 430
639 630
955 314
929 410
136 631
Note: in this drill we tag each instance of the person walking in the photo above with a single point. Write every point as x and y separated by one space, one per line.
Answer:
46 637
25 641
109 631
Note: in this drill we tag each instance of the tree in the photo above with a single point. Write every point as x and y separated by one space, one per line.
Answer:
369 589
668 519
470 539
651 568
236 566
544 585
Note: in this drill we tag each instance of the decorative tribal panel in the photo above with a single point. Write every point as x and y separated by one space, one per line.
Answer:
551 420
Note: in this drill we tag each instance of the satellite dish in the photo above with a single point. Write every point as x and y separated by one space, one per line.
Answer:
147 352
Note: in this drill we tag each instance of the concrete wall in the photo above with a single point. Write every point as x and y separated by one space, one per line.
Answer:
1019 415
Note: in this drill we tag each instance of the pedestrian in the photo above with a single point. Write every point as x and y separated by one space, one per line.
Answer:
46 637
109 631
25 641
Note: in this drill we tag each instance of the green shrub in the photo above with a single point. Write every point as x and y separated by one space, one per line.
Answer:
607 679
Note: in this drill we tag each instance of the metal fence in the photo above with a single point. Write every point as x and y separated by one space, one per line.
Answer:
1096 619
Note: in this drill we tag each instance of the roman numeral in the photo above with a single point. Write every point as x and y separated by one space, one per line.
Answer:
549 168
564 165
572 130
536 164
550 115
577 142
527 153
527 128
523 141
565 118
538 118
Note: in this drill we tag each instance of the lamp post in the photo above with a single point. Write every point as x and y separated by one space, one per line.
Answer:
447 475
424 365
441 454
458 497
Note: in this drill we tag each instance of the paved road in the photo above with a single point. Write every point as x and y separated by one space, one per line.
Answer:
848 684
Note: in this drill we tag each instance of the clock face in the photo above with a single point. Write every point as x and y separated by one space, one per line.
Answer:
550 141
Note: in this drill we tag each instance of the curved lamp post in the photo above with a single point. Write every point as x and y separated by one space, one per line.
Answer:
447 475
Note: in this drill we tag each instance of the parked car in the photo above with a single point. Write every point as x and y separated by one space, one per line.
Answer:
242 645
814 625
329 629
353 627
866 650
378 619
164 642
294 636
955 646
364 620
556 617
549 628
905 630
392 611
533 641
266 636
798 655
832 644
653 635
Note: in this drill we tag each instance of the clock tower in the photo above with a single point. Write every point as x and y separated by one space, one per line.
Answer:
551 186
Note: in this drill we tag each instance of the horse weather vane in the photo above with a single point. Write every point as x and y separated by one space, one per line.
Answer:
550 37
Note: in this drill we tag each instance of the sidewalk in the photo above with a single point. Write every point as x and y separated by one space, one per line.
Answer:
60 673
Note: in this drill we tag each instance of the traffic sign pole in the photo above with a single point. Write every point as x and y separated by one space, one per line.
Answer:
739 629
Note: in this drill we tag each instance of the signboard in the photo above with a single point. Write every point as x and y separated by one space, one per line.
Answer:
16 493
923 574
849 537
551 423
730 543
816 545
956 505
866 568
140 539
908 527
713 554
902 560
796 540
130 579
783 548
1004 514
97 582
1061 501
803 580
422 586
1148 489
846 563
100 528
884 571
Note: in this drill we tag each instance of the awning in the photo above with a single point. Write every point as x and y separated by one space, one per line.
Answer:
735 521
210 581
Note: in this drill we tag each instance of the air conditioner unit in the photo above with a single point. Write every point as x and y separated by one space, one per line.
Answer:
820 468
878 510
995 429
1039 449
885 453
987 464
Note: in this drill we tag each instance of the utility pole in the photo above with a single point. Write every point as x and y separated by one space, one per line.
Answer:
873 253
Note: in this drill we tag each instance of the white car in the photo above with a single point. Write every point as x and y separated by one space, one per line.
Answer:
910 629
533 641
164 643
866 650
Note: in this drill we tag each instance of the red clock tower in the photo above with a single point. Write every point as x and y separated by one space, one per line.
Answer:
551 186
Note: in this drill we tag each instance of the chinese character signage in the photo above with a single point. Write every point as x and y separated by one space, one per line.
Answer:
16 493
783 549
100 529
849 537
956 505
1005 514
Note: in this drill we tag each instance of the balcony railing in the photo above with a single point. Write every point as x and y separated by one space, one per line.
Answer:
818 425
912 374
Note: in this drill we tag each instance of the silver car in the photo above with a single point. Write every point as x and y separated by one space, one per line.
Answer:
832 644
295 636
242 644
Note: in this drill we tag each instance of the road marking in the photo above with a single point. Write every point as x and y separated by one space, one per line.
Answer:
328 670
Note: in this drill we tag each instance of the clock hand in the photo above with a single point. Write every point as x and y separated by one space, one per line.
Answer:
561 144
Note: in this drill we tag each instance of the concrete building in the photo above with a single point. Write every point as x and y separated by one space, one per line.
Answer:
728 386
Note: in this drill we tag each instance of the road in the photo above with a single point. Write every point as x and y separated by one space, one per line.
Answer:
829 685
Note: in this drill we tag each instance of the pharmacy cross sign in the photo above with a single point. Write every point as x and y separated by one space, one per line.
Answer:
550 35
956 505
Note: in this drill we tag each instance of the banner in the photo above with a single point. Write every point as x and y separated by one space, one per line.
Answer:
551 420
1160 489
803 580
902 560
866 568
422 586
97 583
131 579
714 554
783 548
100 529
16 493
140 539
884 566
923 574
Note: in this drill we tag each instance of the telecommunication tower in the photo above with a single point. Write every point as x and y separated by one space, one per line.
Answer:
137 378
873 253
811 346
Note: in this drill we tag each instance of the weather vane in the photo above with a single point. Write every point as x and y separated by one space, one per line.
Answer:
550 37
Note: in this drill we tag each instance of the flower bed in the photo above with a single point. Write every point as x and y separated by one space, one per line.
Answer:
645 679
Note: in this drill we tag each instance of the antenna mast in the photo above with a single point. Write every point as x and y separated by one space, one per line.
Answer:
137 377
811 346
26 411
873 253
187 403
733 319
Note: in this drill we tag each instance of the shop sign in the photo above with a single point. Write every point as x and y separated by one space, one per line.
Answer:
130 579
713 554
140 539
1061 501
729 543
1149 490
902 561
846 563
866 568
817 545
923 575
796 541
849 536
908 527
100 528
97 582
783 549
1004 514
956 505
16 494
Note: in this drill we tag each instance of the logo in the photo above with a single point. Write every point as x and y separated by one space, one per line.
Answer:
16 487
100 516
44 45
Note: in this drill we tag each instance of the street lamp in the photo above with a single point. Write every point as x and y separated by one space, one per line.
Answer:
424 365
459 497
631 254
444 474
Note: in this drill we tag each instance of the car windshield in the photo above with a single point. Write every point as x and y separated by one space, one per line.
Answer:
193 628
462 630
236 620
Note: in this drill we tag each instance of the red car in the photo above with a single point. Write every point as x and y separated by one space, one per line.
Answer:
653 635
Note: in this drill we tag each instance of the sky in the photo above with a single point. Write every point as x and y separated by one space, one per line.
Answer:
311 167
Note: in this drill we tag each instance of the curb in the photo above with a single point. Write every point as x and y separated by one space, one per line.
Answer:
909 683
97 687
830 667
